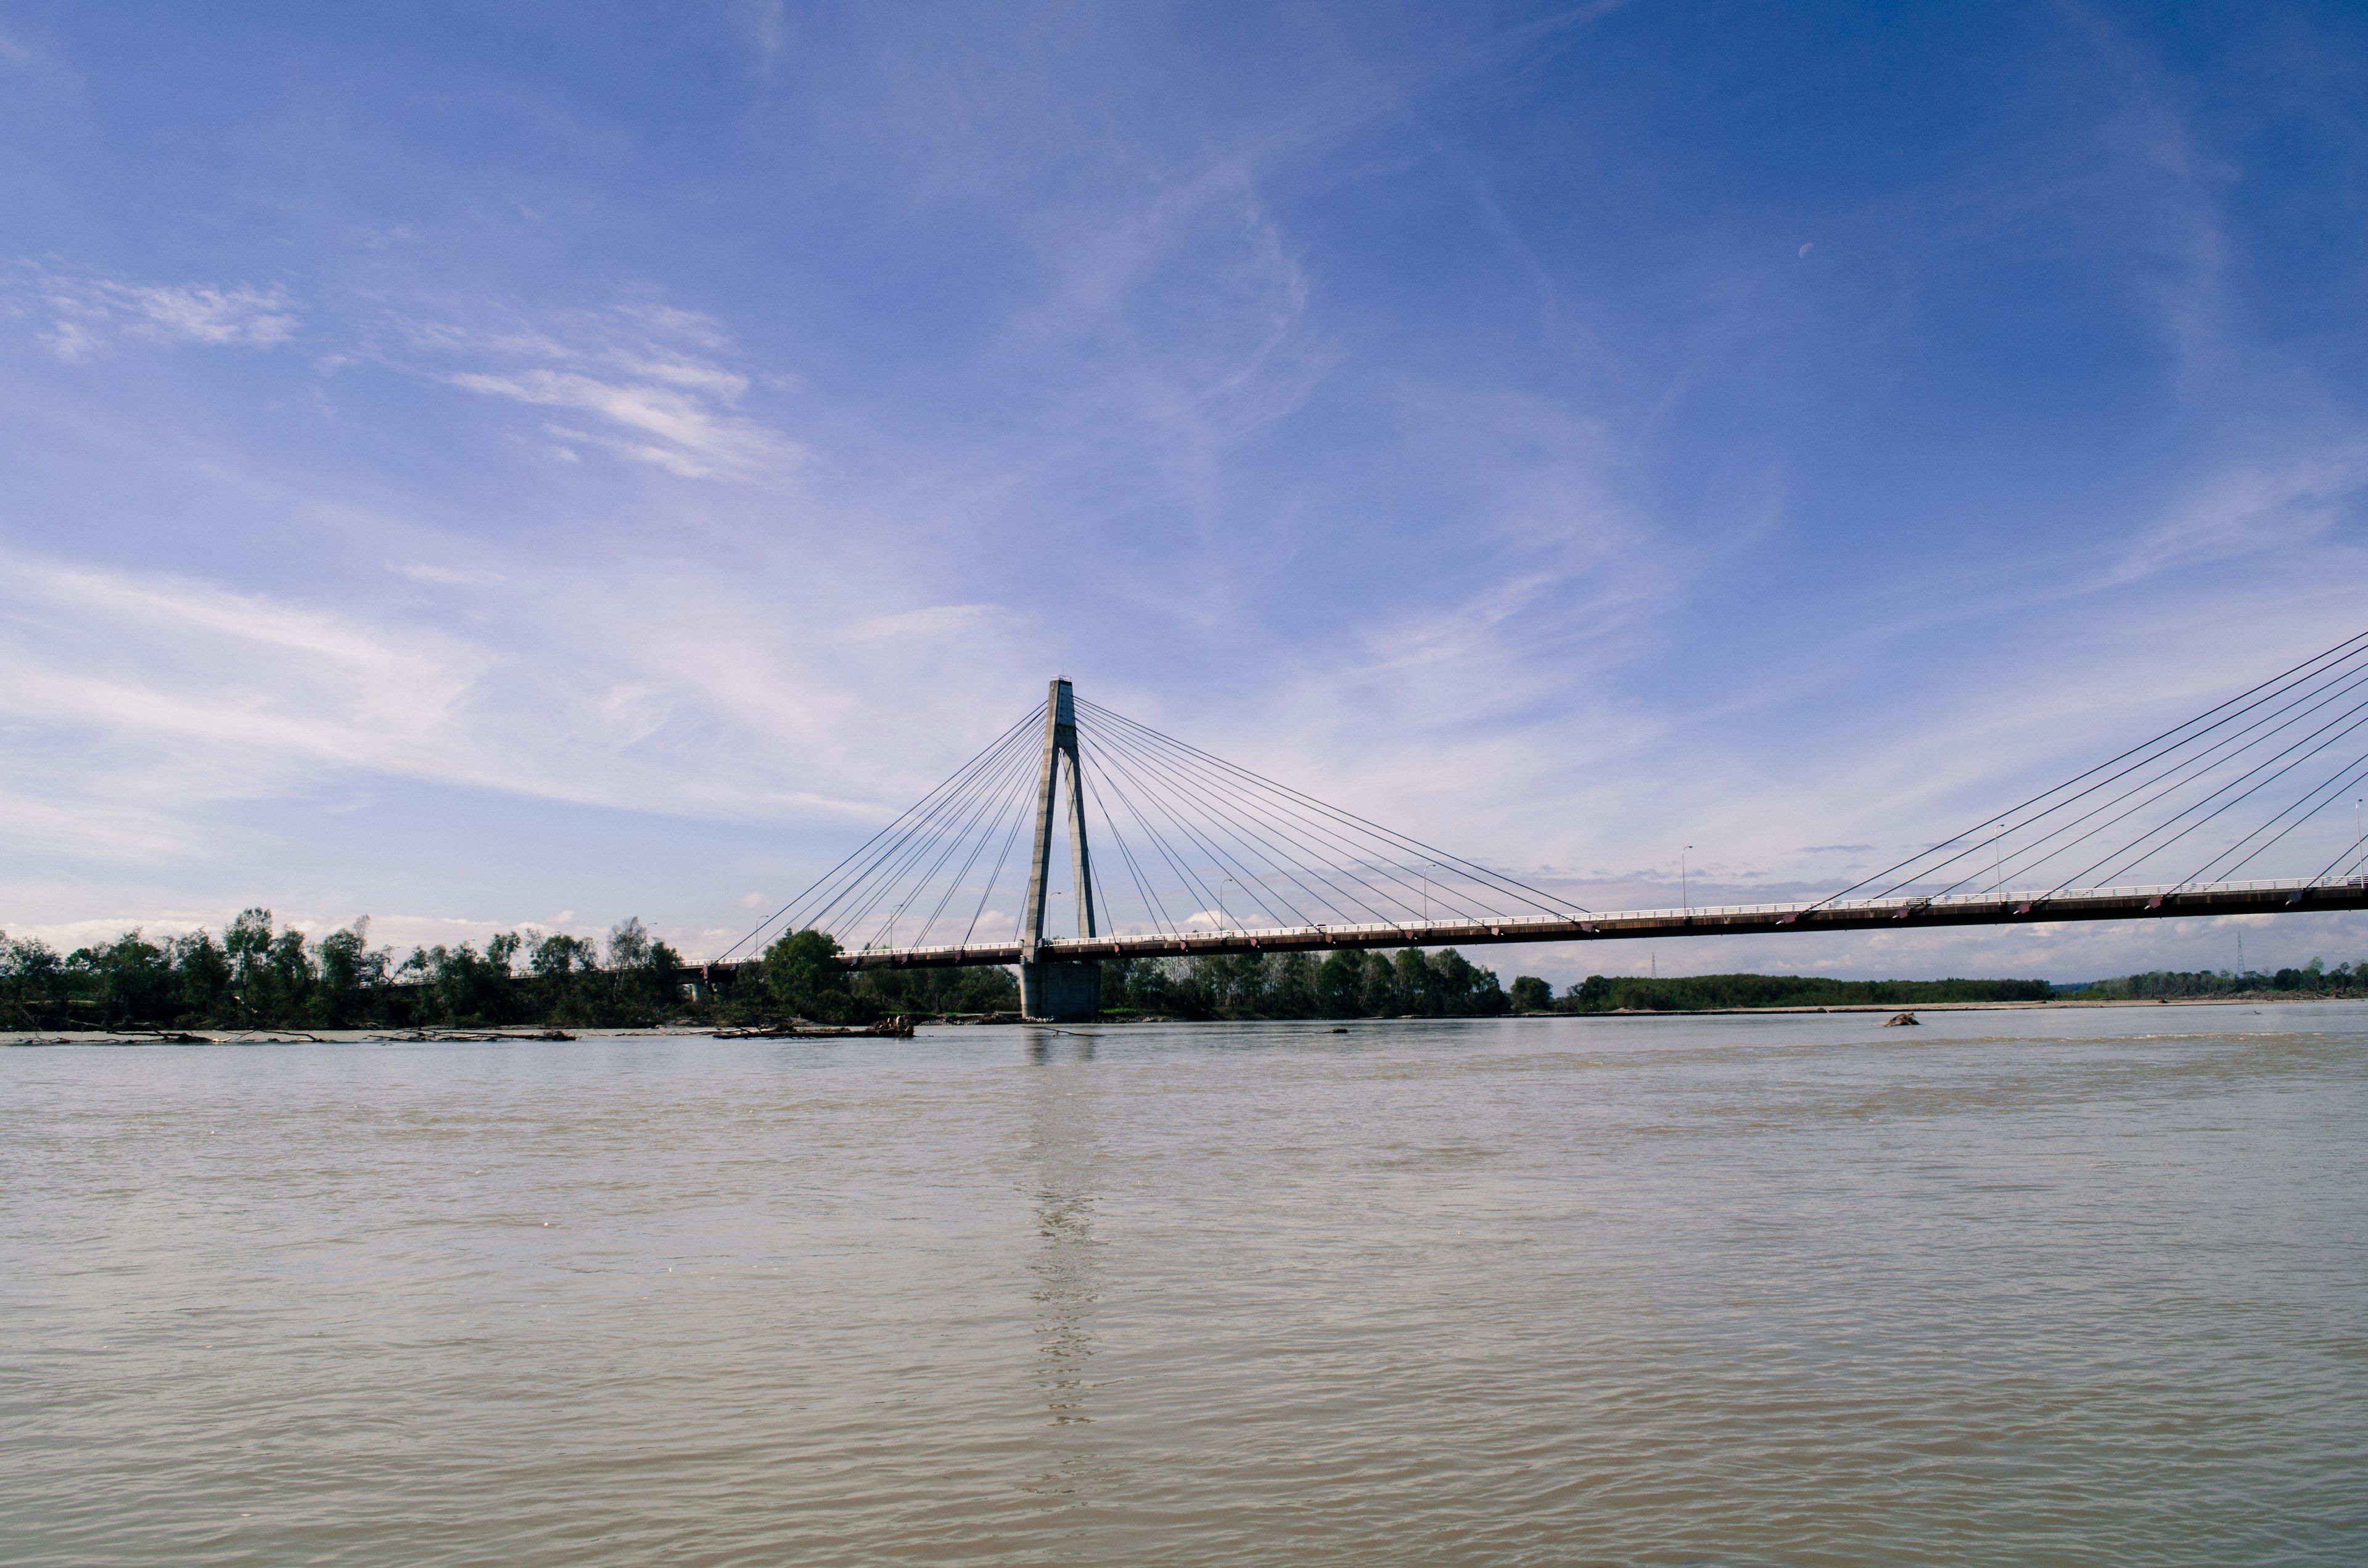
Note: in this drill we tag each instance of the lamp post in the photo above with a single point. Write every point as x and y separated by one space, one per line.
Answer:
1685 896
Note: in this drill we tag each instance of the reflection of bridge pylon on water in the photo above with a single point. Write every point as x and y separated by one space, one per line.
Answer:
1192 855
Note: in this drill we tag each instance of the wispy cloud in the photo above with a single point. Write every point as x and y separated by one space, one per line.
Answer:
769 29
426 571
678 430
17 54
89 314
651 373
648 371
382 239
2253 505
150 697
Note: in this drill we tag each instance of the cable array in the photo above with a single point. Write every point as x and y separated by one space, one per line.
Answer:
935 847
1181 841
2201 802
1223 847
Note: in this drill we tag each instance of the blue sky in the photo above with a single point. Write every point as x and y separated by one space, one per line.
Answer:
479 465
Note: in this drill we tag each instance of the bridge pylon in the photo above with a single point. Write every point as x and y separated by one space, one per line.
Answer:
1058 989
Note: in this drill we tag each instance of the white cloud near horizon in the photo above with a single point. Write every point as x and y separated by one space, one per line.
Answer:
249 696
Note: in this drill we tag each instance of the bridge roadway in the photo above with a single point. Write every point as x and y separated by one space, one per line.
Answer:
1746 920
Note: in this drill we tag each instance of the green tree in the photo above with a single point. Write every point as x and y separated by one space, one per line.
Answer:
801 974
921 991
1142 985
460 986
1682 992
201 975
629 944
1417 988
349 970
645 973
564 970
559 956
130 981
1340 985
1461 989
249 944
1531 994
287 978
32 981
1377 993
1290 989
1234 984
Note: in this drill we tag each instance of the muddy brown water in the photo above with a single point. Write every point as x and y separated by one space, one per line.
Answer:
2011 1287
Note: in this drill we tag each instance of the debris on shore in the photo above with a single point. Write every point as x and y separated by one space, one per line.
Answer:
886 1028
421 1036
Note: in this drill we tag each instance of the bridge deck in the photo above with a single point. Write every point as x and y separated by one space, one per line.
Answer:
1738 920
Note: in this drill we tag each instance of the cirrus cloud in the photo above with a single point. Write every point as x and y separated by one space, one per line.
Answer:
646 371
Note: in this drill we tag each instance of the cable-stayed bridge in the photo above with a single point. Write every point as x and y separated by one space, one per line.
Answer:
1173 852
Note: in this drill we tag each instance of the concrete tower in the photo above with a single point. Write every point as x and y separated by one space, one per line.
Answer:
1060 991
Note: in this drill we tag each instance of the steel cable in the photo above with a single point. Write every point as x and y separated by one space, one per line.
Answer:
1284 865
1291 801
1035 716
889 868
2341 652
1521 891
2189 771
1334 896
2180 771
1242 876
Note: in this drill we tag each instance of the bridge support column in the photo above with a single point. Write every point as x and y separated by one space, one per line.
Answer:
1059 991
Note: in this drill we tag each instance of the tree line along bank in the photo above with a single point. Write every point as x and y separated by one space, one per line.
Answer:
258 976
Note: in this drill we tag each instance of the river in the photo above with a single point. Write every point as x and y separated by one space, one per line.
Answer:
2078 1287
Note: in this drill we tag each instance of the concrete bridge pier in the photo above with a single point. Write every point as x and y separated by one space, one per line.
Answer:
1057 990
